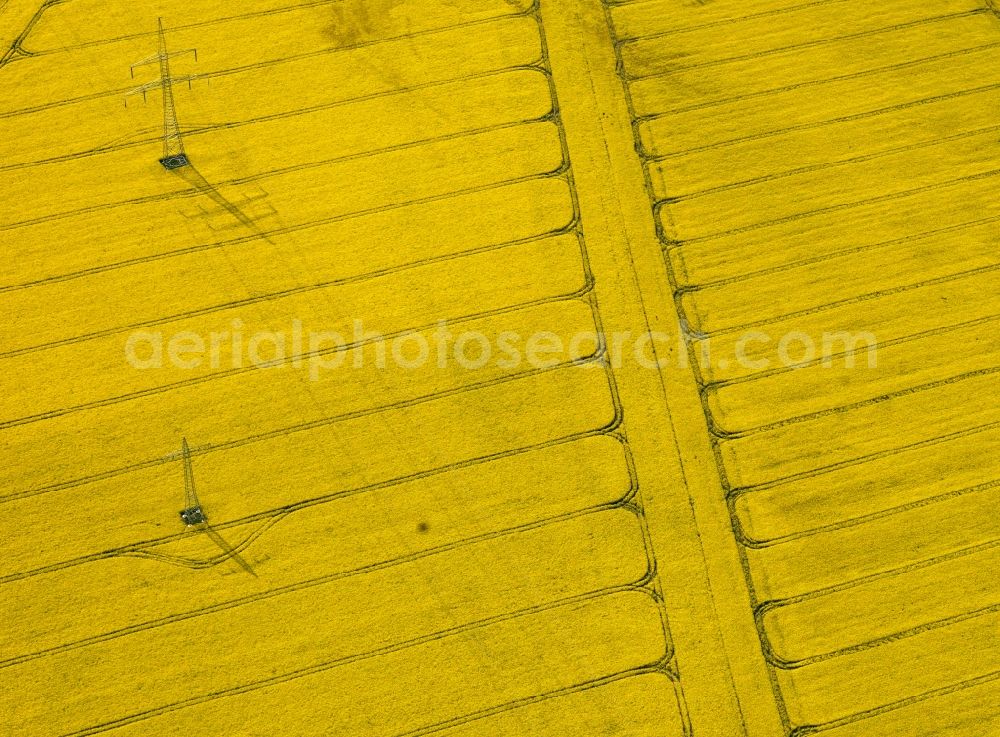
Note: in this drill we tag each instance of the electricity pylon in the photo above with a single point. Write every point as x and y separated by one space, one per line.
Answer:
174 158
194 516
173 145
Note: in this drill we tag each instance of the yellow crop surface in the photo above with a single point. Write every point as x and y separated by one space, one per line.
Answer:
488 368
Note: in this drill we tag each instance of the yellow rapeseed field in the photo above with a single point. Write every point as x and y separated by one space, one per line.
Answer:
489 368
